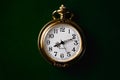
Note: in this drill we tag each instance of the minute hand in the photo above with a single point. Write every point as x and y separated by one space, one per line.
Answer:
65 41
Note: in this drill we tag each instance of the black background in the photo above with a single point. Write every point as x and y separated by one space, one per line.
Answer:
21 21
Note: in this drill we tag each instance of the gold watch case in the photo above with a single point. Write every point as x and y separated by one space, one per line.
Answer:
64 18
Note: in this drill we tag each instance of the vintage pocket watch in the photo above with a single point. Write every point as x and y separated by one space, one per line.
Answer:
61 41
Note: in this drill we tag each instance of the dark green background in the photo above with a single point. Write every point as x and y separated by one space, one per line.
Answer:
21 21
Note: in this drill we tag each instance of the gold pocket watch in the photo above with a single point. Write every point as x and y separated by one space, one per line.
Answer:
61 41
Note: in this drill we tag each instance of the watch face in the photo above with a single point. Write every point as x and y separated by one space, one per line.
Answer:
62 42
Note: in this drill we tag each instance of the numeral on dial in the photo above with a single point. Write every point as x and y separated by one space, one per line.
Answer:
50 49
51 35
61 55
75 42
55 31
62 29
73 49
48 42
55 53
73 36
68 54
69 31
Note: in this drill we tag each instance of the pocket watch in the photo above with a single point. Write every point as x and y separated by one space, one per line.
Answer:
61 41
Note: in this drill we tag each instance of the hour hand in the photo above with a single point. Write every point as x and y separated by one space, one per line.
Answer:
57 44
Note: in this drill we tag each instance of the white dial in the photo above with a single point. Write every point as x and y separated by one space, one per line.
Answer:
62 42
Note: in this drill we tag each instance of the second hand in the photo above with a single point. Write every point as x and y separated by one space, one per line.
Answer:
65 48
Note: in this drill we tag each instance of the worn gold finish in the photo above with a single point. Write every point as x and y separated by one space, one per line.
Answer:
64 19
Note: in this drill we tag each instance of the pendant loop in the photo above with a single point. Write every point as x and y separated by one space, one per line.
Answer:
62 13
